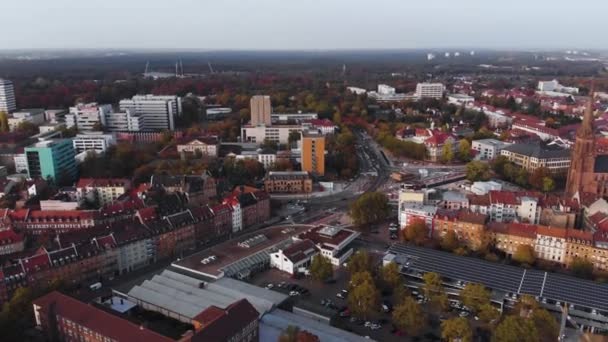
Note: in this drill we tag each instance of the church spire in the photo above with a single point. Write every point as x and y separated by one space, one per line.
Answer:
586 129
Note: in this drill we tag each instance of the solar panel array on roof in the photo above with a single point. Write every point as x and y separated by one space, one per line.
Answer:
505 278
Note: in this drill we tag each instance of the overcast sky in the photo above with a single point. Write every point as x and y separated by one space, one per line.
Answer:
303 24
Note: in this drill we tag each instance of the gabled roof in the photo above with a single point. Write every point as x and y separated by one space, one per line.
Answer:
221 327
101 182
96 319
8 237
300 250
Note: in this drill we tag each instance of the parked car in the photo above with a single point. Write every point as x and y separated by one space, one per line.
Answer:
340 295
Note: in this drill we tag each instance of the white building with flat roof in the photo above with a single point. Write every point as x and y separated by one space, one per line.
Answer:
459 99
93 141
429 90
295 117
34 116
87 116
488 149
7 96
158 112
276 133
123 122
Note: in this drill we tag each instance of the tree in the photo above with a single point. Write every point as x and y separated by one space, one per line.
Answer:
464 150
488 314
363 298
546 325
475 296
536 177
524 254
294 334
478 171
408 316
3 122
321 268
433 290
456 329
548 184
360 278
581 267
449 241
526 305
391 276
294 136
447 152
516 329
359 262
267 143
416 232
370 208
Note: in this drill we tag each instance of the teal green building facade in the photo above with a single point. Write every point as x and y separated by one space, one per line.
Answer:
52 159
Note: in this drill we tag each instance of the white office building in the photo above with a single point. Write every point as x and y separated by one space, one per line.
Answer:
34 116
87 116
158 112
93 141
7 96
488 149
123 122
20 163
429 90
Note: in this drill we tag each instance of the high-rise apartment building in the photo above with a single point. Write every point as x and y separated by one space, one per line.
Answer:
429 90
7 96
51 159
260 110
313 153
158 112
87 116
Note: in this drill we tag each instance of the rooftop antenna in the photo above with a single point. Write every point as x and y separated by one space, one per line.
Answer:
210 68
181 67
176 69
147 67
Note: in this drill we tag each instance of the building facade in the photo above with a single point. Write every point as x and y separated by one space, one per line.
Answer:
7 96
97 142
51 159
488 149
87 116
430 90
288 182
158 112
260 110
313 153
534 156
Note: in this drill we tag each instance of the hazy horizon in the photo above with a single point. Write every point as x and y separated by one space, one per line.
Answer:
315 25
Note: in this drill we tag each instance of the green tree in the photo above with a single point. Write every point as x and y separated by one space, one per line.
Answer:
447 152
391 276
294 334
359 262
434 291
321 268
581 267
416 232
478 171
548 184
488 314
526 305
524 254
3 122
515 329
368 209
408 316
464 150
267 143
536 177
475 296
360 278
449 241
294 136
546 325
456 330
363 298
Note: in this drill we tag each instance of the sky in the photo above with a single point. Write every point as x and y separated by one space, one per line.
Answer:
303 24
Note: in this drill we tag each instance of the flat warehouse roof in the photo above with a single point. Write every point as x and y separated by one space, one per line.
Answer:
505 278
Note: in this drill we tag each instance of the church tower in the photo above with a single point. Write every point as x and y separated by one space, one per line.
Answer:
583 154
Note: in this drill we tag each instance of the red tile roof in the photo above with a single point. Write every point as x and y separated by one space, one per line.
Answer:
320 122
96 319
9 237
222 327
437 139
299 251
36 262
62 214
516 229
102 182
318 238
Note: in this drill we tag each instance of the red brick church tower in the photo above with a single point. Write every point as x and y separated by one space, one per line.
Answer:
584 175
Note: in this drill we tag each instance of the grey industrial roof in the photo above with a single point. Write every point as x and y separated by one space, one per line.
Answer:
273 324
183 295
538 151
505 278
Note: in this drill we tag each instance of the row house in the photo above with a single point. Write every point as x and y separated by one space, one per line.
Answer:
222 219
557 245
198 189
101 190
237 215
248 209
506 206
469 227
262 202
182 225
11 242
49 221
204 228
135 244
410 212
